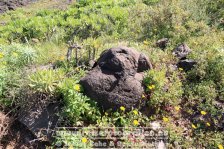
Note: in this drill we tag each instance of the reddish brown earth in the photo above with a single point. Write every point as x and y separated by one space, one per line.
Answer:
14 135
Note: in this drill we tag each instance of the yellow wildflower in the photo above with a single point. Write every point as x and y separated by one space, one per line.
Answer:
135 112
193 126
220 146
165 119
1 55
151 87
122 108
84 140
146 42
77 87
135 122
143 96
203 113
208 124
177 108
181 69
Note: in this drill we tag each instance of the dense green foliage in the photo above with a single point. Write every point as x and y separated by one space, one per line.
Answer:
189 103
119 19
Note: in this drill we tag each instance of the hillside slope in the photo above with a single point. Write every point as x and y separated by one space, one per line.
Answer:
182 93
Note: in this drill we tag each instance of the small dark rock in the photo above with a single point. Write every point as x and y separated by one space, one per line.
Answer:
162 43
181 51
143 63
186 64
116 79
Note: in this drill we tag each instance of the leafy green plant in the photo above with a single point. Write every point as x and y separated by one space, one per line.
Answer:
17 55
121 118
78 107
46 81
13 59
164 91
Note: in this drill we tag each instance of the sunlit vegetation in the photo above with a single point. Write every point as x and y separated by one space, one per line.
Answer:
179 100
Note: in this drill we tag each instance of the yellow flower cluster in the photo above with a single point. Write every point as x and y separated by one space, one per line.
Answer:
77 88
193 126
135 122
151 87
208 124
122 108
203 113
84 140
220 146
181 69
165 119
135 112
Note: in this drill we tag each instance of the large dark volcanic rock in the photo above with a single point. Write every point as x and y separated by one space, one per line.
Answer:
116 79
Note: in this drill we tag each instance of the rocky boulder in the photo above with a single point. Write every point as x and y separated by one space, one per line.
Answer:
162 43
116 79
186 64
181 51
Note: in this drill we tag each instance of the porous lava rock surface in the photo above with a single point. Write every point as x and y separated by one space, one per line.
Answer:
116 79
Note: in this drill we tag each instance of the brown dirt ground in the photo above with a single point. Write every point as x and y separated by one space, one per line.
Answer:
14 135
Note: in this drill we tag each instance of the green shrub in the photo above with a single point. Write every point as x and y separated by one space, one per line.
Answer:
121 118
78 107
164 91
216 13
46 81
204 89
177 20
13 59
17 55
2 81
